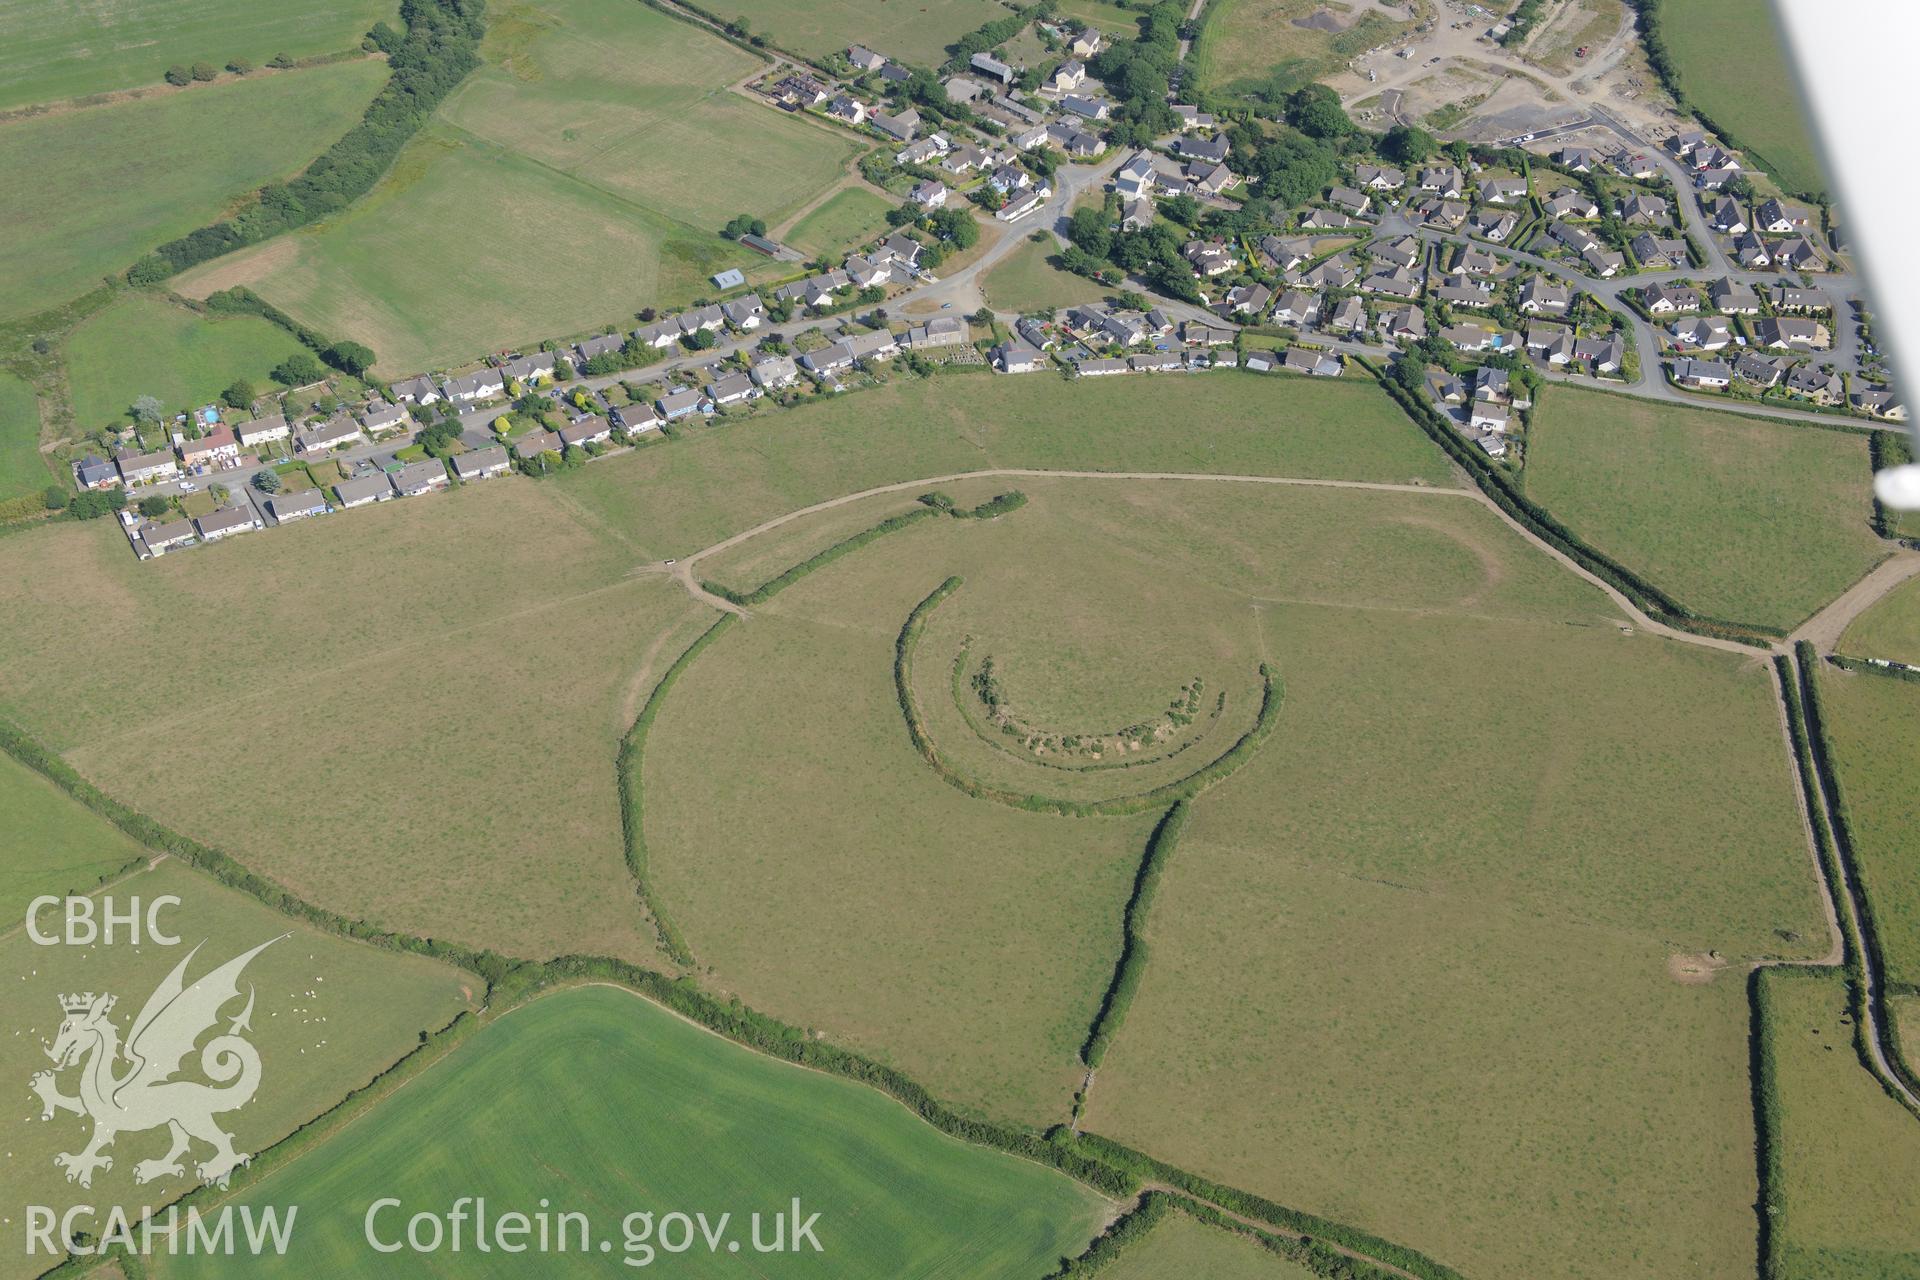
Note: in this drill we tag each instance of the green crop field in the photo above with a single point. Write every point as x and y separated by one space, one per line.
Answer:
1890 629
611 1105
1848 1207
329 1015
1025 281
53 844
57 49
916 35
1180 1246
718 481
570 158
1252 46
1737 519
1874 725
1724 49
846 219
22 468
144 345
111 182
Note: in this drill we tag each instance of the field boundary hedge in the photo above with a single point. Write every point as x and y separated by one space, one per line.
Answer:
1139 802
240 300
1821 743
1248 1205
820 559
627 769
1660 58
932 504
1133 945
1766 1125
1866 666
438 49
1543 524
510 982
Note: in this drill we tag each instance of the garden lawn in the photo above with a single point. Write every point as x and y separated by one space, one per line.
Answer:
58 49
328 1016
144 345
1026 281
109 183
1890 629
23 468
1735 518
1848 1207
848 218
916 35
1873 723
1723 48
629 100
617 1105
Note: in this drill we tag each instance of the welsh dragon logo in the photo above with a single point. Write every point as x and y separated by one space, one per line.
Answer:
143 1094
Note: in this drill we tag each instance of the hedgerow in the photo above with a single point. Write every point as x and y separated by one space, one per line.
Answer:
510 982
1500 487
1244 1203
775 585
1133 946
439 47
1180 788
627 767
1806 657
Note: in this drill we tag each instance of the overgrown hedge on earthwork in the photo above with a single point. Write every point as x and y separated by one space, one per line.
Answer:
1180 788
1133 946
627 767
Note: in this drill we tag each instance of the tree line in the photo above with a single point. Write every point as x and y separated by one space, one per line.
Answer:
437 49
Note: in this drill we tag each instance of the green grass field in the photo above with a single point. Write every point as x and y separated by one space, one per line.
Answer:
1420 925
604 179
1181 1246
916 35
1252 46
1890 629
611 1105
144 345
633 102
456 710
1849 1204
53 845
1387 880
111 182
1874 724
1025 281
329 1015
387 272
718 481
22 468
56 49
1724 48
1737 519
846 219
